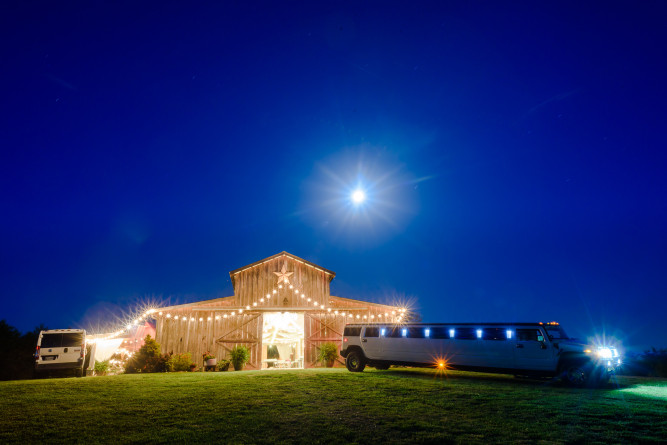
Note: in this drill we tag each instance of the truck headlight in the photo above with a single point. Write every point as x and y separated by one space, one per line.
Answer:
605 353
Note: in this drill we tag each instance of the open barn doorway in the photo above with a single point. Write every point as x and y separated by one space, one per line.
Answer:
282 340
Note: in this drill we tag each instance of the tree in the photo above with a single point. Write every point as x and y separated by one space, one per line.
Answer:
148 358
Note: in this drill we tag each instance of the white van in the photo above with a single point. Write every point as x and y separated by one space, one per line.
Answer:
522 349
61 349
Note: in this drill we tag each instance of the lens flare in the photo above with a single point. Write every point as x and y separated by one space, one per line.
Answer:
358 196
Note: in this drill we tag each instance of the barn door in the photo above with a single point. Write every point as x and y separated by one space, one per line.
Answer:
319 330
248 333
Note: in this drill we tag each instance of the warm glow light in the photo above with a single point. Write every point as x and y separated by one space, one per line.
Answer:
358 196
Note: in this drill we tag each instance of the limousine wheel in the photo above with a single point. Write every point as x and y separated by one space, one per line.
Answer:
355 361
575 373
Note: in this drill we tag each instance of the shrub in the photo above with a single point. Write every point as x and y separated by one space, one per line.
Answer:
328 353
223 365
148 358
181 362
239 356
102 367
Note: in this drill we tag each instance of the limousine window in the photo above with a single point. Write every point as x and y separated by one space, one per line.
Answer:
352 331
466 334
415 333
529 335
494 334
372 332
439 333
395 333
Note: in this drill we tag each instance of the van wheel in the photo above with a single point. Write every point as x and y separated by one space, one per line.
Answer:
355 361
575 373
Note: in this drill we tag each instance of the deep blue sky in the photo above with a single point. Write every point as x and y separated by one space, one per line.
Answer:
514 156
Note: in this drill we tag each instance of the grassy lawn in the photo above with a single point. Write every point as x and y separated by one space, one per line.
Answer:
329 405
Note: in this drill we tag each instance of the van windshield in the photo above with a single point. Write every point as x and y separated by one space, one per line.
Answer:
556 333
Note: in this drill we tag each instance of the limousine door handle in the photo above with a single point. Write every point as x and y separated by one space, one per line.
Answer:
364 340
519 346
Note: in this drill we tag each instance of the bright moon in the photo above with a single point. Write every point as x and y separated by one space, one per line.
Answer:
358 196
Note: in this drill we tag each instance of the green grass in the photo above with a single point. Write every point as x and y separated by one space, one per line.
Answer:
329 405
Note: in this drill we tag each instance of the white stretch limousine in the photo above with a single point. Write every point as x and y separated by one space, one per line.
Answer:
522 349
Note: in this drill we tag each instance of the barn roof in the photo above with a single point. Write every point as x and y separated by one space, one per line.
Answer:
281 254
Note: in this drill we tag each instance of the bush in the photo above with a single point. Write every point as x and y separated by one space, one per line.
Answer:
328 353
102 367
652 363
223 365
239 356
180 362
148 358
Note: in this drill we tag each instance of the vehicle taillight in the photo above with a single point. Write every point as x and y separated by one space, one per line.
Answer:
83 349
37 353
344 339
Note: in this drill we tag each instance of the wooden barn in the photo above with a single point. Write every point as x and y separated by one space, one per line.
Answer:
281 310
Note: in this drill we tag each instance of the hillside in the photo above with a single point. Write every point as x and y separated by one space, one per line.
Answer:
330 405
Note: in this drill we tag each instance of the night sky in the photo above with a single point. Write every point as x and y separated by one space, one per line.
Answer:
513 156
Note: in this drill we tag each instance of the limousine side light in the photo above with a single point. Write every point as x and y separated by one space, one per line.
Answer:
382 332
427 332
479 333
509 334
452 333
404 332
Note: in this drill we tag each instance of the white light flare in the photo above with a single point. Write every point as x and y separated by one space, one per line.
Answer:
358 196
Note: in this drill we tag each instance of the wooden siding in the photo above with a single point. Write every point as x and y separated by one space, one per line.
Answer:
256 282
210 326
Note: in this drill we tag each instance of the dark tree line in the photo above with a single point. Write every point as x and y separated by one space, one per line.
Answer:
17 360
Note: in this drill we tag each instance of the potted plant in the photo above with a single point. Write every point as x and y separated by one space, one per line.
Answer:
239 356
223 365
209 359
328 353
193 367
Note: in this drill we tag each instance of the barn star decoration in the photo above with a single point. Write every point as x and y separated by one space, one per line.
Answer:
283 275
